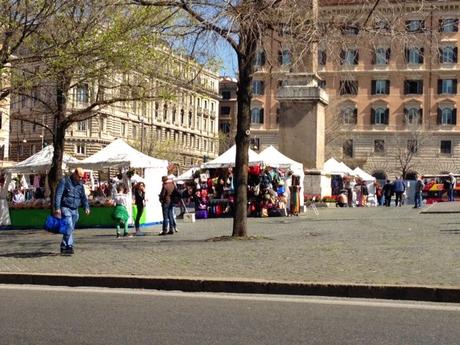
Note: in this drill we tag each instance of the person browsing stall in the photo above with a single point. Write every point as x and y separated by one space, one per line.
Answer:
167 195
70 194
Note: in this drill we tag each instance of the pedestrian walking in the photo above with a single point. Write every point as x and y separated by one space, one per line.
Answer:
70 194
399 188
364 193
387 192
378 193
120 213
451 182
419 185
139 199
167 195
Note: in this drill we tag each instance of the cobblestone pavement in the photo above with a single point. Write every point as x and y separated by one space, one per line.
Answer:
367 245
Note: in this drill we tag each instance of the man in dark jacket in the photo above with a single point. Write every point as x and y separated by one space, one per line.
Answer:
70 194
168 195
387 192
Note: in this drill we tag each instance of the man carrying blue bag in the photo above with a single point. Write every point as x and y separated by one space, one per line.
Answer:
70 194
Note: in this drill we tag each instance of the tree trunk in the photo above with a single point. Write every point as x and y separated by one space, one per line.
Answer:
248 45
55 172
59 128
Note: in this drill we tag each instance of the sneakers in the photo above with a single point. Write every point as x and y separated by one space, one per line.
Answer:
67 250
128 235
171 232
162 233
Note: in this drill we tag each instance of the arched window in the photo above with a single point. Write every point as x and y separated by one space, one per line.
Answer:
379 115
447 115
257 115
411 175
349 115
412 115
379 175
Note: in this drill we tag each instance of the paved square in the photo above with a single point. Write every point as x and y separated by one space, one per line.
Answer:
361 245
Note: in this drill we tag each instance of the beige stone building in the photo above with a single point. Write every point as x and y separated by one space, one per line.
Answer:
185 126
393 89
4 123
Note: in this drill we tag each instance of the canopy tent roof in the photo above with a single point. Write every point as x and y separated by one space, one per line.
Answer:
363 175
187 175
227 159
274 158
333 167
120 154
347 169
40 162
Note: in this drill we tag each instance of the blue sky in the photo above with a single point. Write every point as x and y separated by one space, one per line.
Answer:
228 56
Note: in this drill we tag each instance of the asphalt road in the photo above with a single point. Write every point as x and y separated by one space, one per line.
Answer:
44 315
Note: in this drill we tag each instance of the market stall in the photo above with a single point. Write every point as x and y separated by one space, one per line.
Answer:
120 155
369 181
269 185
275 159
30 204
340 174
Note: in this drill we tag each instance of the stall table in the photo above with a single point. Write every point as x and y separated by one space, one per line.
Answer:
34 218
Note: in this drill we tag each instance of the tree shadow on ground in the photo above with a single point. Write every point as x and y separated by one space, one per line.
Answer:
453 231
28 255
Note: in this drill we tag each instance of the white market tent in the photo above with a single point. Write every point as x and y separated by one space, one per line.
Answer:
119 154
228 158
363 175
347 169
274 158
40 162
333 167
187 175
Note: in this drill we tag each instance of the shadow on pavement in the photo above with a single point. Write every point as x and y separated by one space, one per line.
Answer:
454 231
28 255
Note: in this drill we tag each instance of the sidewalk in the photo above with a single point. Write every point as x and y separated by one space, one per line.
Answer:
368 252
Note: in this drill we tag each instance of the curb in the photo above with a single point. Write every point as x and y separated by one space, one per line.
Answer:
395 292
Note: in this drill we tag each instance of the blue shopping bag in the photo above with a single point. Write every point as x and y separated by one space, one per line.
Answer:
55 225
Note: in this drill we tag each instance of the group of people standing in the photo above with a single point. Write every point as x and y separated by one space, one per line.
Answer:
70 195
385 194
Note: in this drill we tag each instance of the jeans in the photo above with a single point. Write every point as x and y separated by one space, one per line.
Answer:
450 194
398 198
418 199
168 217
70 217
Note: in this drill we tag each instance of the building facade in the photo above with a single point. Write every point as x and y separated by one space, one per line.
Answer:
227 113
4 122
4 129
393 87
182 127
